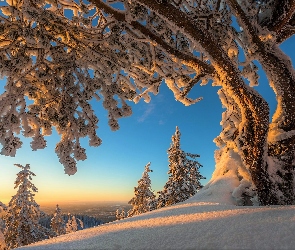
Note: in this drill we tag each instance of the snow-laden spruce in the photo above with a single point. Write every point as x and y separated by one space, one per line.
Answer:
144 198
23 213
2 228
55 64
57 222
120 214
184 176
72 224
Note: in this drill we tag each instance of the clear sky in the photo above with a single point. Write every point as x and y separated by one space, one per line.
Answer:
112 170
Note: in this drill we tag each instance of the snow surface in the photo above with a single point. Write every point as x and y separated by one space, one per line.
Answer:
206 221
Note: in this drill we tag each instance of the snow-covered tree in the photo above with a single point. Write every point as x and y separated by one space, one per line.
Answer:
2 206
2 242
120 214
144 198
23 213
57 222
2 227
184 176
72 224
119 51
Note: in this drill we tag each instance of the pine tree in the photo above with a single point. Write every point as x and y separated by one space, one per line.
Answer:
144 199
184 177
2 206
120 215
69 227
2 241
2 227
72 225
23 213
57 222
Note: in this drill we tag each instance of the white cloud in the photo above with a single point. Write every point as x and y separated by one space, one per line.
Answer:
161 122
147 112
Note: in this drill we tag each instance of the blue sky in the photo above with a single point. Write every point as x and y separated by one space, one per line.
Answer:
113 169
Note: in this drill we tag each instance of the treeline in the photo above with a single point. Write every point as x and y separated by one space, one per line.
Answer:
88 221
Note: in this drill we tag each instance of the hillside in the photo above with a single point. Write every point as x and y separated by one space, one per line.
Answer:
205 221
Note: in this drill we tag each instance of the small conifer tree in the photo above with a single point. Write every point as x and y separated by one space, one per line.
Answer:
72 225
57 222
120 214
23 213
184 176
2 228
2 241
144 199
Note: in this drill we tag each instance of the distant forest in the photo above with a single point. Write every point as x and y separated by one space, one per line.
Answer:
88 221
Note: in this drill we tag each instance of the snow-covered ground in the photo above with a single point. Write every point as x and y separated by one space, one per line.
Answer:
206 221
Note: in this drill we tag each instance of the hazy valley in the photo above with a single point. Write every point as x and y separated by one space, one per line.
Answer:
105 211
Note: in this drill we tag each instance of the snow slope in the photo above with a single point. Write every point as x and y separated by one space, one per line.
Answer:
197 223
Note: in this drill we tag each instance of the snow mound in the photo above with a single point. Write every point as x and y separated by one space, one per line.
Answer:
194 224
218 191
208 220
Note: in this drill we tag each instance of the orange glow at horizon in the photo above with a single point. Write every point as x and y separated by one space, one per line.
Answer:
57 197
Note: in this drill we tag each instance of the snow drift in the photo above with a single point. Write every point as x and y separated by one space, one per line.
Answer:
197 223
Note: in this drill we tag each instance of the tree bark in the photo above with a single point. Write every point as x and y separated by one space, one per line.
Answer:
281 137
281 78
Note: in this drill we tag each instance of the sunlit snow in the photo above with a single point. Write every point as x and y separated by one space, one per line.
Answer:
206 221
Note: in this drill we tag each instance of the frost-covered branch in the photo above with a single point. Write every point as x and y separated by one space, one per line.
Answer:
187 59
61 62
283 12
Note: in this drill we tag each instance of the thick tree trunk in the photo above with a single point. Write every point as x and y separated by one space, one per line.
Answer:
282 79
229 163
251 139
281 136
